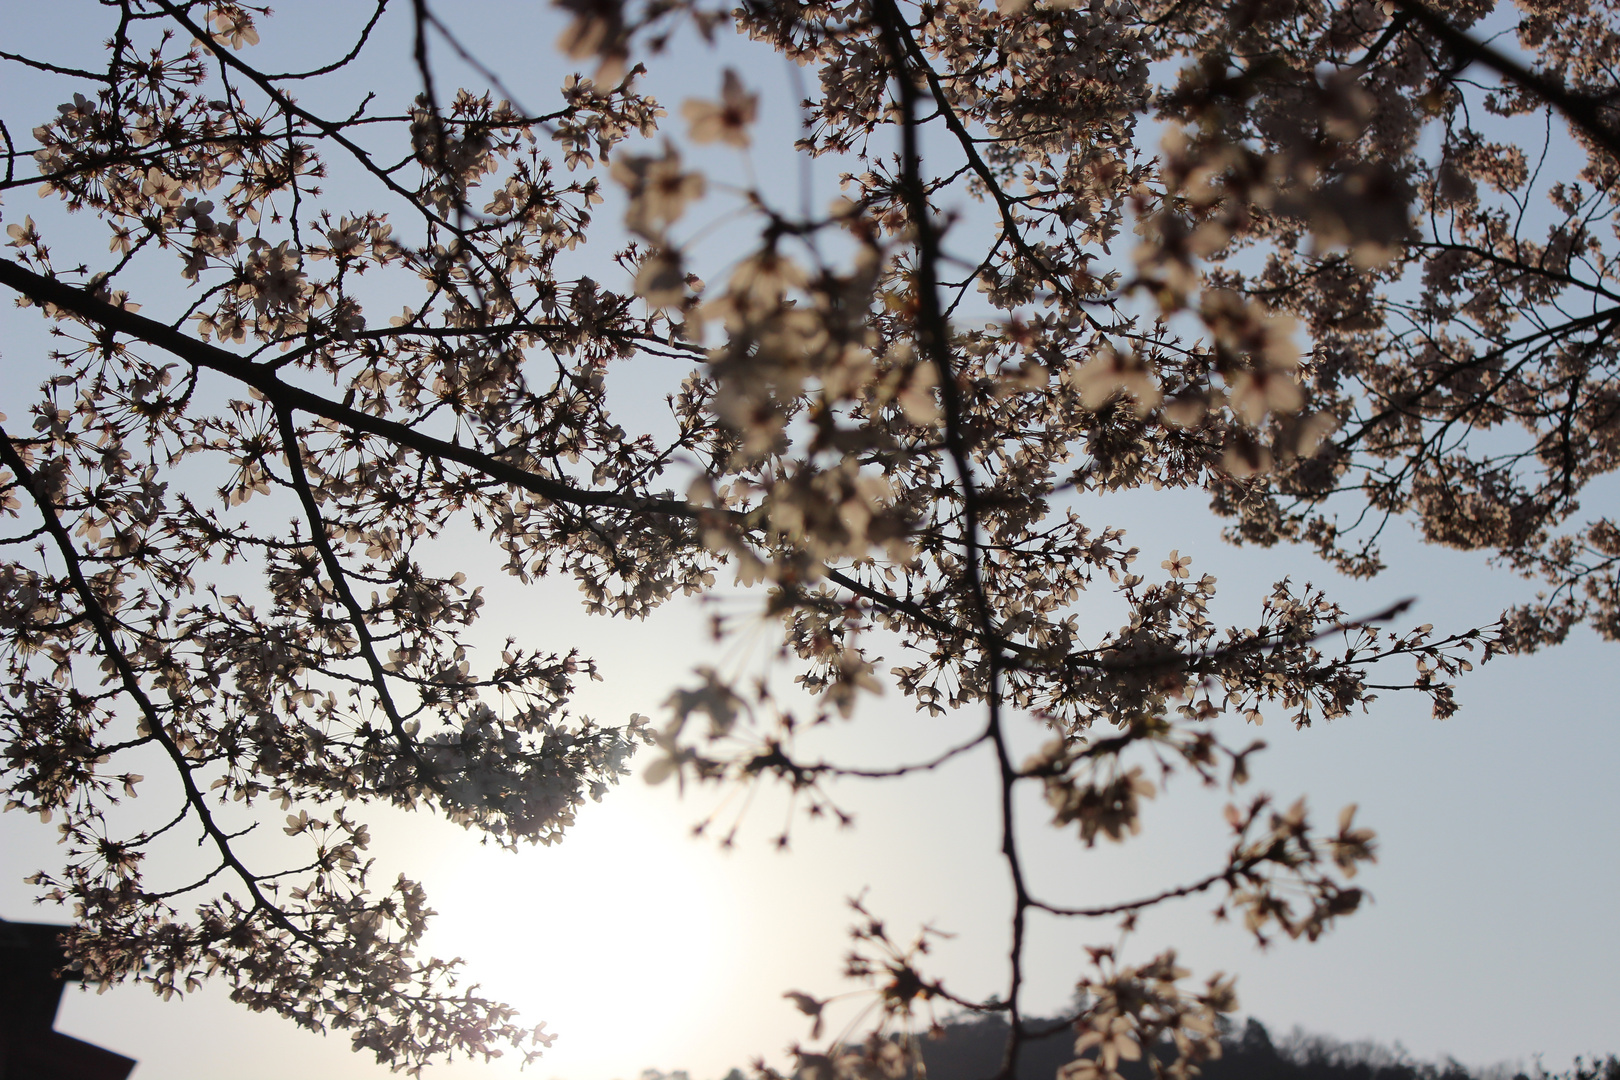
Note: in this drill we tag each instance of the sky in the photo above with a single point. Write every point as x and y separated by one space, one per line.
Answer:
1491 936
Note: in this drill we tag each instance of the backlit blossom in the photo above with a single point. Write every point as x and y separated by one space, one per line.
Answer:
724 121
659 190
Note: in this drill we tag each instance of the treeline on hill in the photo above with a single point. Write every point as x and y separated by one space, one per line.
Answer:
971 1049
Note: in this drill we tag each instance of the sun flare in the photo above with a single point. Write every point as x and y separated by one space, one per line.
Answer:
616 938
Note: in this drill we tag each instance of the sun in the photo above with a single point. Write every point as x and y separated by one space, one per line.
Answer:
620 938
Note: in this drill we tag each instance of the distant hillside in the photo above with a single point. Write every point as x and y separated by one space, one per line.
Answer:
972 1050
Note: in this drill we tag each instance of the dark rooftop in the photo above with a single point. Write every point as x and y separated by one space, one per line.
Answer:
32 964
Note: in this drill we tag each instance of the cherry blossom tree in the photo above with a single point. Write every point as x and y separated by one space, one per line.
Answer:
1342 301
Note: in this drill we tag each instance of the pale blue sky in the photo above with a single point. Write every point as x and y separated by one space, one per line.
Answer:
1492 934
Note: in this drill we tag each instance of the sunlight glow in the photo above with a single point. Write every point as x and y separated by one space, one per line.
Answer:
618 939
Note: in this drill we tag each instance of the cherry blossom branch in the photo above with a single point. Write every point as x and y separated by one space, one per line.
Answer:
261 377
294 456
934 332
151 716
1194 888
1581 110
